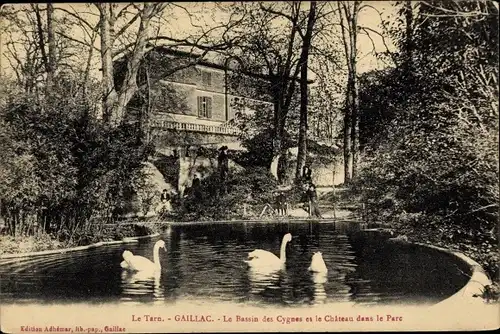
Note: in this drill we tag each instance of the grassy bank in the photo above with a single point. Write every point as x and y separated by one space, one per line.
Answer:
43 241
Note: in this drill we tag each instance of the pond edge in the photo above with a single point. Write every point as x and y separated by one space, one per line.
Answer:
471 292
79 248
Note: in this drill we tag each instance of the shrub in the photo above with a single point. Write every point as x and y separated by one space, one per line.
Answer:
253 186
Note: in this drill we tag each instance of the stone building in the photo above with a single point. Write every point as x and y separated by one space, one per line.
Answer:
187 104
192 101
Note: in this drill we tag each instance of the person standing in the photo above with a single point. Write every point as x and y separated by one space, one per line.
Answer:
223 167
304 172
308 176
165 204
283 203
196 186
313 201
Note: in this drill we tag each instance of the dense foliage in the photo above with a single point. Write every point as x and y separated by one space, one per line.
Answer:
430 129
60 168
253 186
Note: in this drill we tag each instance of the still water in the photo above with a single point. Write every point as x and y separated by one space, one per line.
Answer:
205 262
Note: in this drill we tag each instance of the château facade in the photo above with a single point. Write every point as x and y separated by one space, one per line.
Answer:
192 102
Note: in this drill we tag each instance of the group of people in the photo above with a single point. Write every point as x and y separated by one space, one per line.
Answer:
281 203
309 196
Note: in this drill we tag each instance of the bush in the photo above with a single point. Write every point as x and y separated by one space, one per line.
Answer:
61 164
253 186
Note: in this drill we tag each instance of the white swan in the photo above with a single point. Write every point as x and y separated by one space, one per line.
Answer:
318 264
140 263
260 258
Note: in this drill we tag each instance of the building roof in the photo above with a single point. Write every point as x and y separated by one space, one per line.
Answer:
205 62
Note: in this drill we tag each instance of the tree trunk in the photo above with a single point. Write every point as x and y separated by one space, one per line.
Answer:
283 89
86 75
281 106
109 96
52 45
407 65
115 103
355 127
351 118
41 39
347 114
129 88
347 143
277 136
304 57
354 89
302 152
408 47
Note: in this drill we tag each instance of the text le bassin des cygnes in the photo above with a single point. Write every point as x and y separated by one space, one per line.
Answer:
207 318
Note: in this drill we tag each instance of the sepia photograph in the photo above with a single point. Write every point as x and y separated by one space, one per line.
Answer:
254 166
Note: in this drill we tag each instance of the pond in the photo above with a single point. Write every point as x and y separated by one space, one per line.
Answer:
206 262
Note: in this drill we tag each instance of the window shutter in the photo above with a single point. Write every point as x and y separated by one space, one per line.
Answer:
209 107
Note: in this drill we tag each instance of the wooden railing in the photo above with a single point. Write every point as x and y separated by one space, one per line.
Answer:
181 126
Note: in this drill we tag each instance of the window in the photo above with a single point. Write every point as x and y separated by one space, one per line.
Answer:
206 78
205 106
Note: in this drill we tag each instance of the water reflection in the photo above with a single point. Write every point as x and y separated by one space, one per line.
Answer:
260 280
319 281
141 284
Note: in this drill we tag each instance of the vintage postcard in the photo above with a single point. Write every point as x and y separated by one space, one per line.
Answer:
288 166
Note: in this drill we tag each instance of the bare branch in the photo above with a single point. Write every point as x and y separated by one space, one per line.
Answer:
455 13
77 41
128 24
78 17
189 15
275 12
374 49
391 54
36 9
123 11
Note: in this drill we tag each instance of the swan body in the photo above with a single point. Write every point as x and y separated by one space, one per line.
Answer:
260 258
318 264
140 263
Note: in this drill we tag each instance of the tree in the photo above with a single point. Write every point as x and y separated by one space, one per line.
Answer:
348 13
434 172
114 102
279 47
36 47
273 50
304 60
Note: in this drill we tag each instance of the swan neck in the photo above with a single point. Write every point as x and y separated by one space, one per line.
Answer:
283 251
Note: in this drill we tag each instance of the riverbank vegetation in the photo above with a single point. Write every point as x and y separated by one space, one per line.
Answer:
60 167
430 130
43 241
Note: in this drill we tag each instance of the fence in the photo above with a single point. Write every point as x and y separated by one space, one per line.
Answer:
217 129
